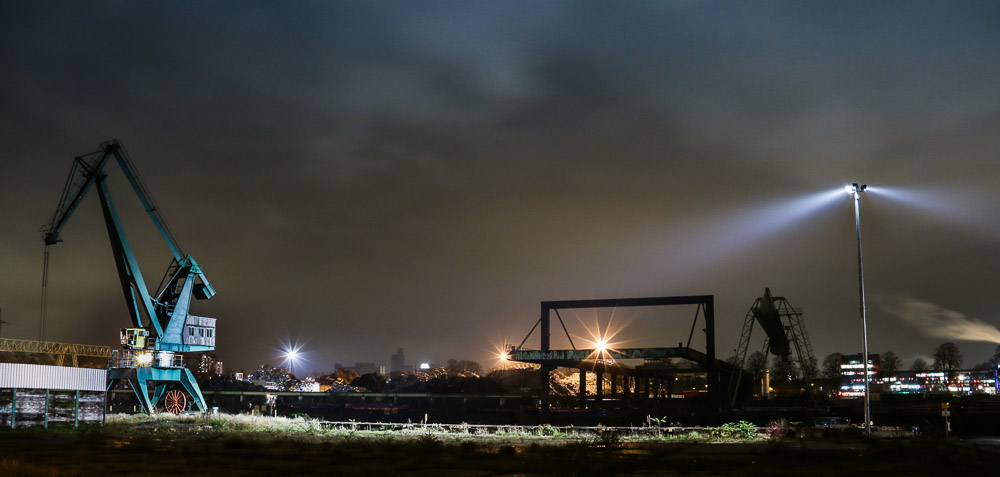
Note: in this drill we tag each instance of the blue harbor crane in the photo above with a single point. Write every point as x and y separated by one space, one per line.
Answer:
162 326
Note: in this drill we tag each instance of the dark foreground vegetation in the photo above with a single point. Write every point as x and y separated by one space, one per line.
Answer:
292 447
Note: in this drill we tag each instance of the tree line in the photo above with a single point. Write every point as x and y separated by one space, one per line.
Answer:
946 358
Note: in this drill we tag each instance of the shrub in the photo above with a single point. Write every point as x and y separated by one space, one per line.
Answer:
609 439
739 430
777 429
548 430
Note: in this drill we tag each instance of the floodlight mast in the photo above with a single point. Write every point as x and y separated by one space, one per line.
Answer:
856 191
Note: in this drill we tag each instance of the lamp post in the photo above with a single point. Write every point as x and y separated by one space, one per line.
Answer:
856 190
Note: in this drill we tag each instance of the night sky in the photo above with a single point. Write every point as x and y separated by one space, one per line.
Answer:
362 176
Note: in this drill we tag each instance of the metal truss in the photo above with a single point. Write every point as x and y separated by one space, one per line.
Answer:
60 350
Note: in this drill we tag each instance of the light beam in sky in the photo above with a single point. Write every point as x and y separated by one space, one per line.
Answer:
962 207
745 227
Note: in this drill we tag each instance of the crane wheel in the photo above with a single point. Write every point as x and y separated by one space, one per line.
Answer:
175 401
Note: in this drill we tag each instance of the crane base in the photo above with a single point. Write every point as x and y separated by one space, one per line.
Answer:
141 378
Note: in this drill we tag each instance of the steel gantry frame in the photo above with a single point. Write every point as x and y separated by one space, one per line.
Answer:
549 359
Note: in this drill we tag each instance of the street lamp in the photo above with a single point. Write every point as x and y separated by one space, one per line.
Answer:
856 190
602 346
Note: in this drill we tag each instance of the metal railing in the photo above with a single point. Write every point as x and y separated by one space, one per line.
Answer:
129 358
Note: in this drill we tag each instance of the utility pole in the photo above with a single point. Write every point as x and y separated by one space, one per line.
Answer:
856 191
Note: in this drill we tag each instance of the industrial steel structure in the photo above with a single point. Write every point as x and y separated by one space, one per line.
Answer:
600 361
784 330
162 326
61 351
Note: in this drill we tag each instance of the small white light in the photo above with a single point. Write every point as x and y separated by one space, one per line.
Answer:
425 366
849 189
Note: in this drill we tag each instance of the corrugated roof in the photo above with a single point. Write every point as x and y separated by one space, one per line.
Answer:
37 376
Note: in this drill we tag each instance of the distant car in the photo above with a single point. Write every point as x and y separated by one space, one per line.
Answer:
832 422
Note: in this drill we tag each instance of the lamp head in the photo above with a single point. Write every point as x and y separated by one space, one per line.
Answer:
855 189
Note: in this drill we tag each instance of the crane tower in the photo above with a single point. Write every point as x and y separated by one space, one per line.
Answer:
784 332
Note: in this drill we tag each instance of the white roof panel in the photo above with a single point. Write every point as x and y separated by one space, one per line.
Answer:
36 376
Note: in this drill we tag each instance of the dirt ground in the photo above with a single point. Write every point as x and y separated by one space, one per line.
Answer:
36 452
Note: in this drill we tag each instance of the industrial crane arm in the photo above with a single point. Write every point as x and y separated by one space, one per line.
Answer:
81 178
86 170
166 316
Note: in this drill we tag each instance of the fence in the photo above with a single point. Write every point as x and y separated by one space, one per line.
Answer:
42 407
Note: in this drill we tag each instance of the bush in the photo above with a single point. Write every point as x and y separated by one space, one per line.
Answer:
609 439
777 429
739 430
548 430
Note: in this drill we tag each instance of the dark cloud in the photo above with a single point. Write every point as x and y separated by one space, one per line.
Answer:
375 175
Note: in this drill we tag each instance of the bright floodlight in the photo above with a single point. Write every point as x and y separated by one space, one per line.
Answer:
602 345
291 355
144 359
425 366
504 357
855 189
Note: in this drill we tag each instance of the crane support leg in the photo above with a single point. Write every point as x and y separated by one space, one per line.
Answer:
161 389
141 390
139 380
191 386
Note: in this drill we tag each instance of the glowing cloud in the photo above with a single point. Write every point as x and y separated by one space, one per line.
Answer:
939 322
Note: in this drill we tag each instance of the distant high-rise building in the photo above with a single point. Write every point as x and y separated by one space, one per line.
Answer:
397 362
368 368
208 365
852 373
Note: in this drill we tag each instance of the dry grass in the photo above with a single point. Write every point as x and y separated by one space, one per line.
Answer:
184 445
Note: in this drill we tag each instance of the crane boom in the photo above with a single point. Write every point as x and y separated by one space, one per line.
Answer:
163 313
86 170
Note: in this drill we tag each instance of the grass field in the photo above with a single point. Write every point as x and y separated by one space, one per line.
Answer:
245 445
